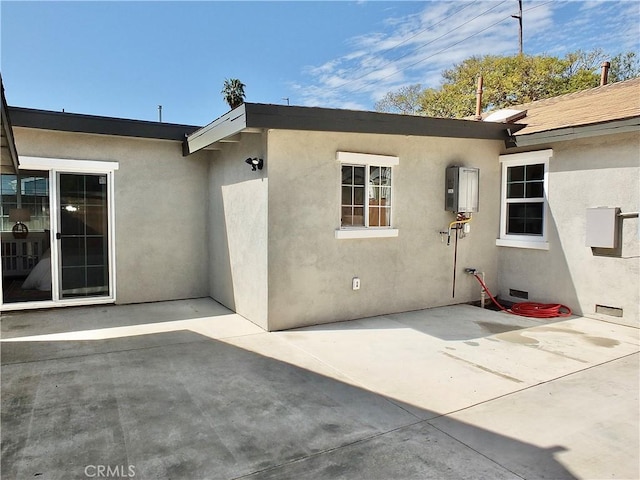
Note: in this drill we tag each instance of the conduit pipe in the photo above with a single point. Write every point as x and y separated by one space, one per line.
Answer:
460 221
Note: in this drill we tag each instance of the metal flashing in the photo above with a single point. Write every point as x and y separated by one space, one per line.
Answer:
80 123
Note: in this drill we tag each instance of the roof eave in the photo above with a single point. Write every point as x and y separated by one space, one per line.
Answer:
7 130
575 132
79 123
284 117
229 124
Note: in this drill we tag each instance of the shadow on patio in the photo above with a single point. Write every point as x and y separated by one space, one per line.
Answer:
178 404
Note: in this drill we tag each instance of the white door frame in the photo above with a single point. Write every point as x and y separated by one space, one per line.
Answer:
55 166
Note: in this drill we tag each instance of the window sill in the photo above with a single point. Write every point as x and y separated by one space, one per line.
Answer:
366 233
531 244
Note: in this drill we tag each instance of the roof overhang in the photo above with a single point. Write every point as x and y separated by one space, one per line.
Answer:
576 132
252 117
9 153
73 122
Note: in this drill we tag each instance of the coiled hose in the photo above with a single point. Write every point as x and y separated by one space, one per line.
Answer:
530 309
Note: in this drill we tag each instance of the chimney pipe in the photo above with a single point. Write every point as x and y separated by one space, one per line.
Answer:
604 76
479 99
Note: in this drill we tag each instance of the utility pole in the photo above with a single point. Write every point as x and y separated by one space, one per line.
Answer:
519 17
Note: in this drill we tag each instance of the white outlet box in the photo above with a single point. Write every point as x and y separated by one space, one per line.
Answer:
355 283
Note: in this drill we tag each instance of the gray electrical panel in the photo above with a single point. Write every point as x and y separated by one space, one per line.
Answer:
462 189
603 227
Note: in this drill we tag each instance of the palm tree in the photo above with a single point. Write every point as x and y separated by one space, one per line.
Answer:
233 92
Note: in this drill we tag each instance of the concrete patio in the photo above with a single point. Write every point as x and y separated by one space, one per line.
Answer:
189 390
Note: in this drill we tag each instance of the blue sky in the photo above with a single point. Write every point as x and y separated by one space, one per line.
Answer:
123 59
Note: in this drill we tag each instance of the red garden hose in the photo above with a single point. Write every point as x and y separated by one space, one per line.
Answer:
530 309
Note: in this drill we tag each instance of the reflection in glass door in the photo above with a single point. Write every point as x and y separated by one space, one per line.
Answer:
83 234
25 236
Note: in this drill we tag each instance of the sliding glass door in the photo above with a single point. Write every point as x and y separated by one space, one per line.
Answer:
25 235
83 235
56 227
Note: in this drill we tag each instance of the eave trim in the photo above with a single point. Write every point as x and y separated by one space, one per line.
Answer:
79 123
284 117
576 132
8 130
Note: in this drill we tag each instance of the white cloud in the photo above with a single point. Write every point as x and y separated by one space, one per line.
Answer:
416 48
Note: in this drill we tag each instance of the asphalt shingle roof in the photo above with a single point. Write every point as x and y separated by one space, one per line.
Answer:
615 101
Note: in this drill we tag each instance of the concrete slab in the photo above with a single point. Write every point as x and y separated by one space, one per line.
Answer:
190 390
415 452
590 419
486 354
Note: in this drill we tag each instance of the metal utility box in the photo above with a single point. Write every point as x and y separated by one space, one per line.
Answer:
462 189
603 227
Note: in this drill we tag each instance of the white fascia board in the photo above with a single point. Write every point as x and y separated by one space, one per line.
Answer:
231 123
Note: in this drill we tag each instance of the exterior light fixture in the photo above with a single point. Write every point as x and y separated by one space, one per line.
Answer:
256 163
19 215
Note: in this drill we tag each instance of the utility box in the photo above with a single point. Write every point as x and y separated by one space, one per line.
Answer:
603 227
462 189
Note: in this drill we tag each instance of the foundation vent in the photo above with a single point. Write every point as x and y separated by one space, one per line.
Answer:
518 293
611 311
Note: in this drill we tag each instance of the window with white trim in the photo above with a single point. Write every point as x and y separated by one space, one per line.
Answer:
523 215
365 195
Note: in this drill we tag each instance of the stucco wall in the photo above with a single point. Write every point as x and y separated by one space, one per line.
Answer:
584 173
237 216
310 271
160 213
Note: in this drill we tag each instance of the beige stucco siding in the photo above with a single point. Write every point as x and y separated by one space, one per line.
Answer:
160 213
237 219
584 173
310 271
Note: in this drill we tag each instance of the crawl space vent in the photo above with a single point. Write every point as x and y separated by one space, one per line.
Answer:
518 293
611 311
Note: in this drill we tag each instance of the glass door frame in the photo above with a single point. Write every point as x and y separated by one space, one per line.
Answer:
55 166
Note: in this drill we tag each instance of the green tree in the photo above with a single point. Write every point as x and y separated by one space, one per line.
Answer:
508 81
624 66
233 92
405 100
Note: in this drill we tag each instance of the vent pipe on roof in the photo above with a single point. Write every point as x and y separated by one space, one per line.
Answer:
604 76
479 99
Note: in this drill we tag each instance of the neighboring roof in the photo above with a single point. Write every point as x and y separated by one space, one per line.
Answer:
9 153
251 117
609 108
73 122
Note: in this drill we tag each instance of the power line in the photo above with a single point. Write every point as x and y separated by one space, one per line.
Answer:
422 46
448 47
422 31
